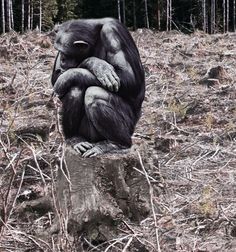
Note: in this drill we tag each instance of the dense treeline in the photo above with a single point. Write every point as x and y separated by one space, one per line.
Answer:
186 15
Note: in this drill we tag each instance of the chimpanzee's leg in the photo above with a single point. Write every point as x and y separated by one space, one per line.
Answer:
72 111
111 116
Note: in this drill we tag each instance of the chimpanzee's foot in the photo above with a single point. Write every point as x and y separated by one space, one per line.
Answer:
103 147
87 149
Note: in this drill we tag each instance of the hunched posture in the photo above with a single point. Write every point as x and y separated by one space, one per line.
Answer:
99 78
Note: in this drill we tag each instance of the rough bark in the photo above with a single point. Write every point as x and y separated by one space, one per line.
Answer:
146 14
213 16
204 16
134 15
158 16
28 15
118 10
22 16
227 15
32 15
224 16
40 15
167 15
170 15
11 15
96 193
8 16
234 5
3 17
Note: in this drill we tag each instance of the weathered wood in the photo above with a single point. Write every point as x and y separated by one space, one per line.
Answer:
94 193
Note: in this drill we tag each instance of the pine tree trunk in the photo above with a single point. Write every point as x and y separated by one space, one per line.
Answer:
22 16
146 14
8 16
40 15
234 8
224 18
227 15
167 15
170 15
28 14
3 17
158 16
124 16
213 17
32 16
118 8
11 15
134 15
204 15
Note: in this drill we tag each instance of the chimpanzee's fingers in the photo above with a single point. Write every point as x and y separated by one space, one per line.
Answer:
102 81
114 83
105 82
117 81
109 83
116 76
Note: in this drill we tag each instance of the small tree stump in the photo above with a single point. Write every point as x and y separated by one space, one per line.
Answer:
96 193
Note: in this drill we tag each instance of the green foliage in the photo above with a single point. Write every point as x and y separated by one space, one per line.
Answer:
66 10
49 12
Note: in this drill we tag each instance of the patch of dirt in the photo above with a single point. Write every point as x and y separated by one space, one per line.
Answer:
188 125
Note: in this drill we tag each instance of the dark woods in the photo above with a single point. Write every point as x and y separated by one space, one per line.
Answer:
211 16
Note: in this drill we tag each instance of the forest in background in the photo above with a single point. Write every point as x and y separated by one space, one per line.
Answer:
211 16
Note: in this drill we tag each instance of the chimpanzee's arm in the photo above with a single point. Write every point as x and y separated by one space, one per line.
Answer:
103 71
57 71
115 54
115 70
78 77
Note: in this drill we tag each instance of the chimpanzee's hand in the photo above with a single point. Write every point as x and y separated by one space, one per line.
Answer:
104 72
64 83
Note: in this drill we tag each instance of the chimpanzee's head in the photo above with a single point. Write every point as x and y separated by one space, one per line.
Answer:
74 40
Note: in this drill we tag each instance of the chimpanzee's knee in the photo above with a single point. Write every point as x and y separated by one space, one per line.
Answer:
72 112
110 115
73 95
94 95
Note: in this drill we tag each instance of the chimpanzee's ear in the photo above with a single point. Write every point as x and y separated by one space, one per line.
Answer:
81 44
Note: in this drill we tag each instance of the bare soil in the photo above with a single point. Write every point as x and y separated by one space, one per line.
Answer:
188 128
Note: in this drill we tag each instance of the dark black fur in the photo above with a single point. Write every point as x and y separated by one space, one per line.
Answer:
86 114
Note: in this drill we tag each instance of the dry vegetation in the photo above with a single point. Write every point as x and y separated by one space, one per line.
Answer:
188 127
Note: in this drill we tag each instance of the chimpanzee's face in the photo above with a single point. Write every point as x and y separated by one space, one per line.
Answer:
72 51
67 61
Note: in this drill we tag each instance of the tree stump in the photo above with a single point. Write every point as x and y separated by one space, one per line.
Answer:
94 194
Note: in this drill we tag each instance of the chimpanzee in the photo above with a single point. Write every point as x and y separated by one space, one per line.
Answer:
99 78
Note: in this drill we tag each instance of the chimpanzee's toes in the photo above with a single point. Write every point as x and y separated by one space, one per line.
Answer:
82 147
93 152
